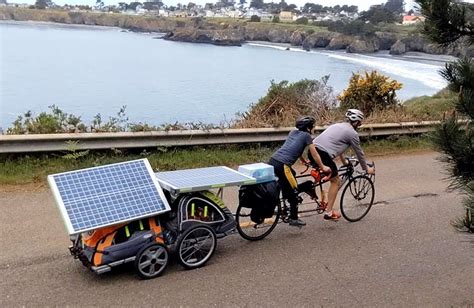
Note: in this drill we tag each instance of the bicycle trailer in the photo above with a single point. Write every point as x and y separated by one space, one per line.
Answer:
123 213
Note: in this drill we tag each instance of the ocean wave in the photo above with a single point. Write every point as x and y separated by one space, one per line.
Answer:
284 47
427 74
409 68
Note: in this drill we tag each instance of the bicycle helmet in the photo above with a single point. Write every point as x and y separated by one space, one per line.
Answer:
354 115
305 123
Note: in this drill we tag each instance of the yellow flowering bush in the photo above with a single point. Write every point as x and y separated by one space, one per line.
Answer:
369 92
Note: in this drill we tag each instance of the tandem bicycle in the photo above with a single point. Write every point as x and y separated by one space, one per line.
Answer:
356 200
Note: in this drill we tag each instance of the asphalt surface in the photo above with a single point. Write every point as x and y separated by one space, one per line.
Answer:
403 253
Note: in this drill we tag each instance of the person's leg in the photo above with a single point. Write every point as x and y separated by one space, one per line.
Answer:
333 187
292 196
332 194
288 187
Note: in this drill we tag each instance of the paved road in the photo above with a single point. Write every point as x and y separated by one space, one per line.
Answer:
404 253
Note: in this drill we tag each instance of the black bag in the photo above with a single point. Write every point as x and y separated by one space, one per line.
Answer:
261 198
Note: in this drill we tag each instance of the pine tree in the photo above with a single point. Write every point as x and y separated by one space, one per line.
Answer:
448 22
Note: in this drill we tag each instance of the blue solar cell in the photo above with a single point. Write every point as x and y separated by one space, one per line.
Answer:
102 196
202 178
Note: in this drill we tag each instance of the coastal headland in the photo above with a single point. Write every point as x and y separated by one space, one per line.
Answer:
235 32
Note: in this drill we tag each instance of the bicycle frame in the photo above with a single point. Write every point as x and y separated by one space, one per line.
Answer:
249 229
345 172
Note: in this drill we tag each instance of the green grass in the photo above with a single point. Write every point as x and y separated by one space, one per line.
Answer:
396 145
431 106
27 169
16 169
400 29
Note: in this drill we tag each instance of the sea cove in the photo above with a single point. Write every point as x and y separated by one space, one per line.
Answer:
90 70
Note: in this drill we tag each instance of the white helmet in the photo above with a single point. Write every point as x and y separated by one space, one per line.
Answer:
354 115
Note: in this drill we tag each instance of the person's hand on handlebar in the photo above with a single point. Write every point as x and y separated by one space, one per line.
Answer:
326 169
370 170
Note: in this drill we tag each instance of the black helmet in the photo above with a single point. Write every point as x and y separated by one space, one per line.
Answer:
305 123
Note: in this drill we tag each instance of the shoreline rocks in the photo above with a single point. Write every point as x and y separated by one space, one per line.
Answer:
228 37
398 48
366 45
201 30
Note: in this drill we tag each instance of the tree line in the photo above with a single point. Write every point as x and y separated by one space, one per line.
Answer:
388 12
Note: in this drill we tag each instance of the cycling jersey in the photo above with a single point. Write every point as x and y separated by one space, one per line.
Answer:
283 159
293 147
337 138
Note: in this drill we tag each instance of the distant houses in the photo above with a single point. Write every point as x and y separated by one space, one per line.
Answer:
211 10
287 16
264 15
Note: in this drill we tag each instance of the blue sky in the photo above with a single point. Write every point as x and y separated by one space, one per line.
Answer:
363 5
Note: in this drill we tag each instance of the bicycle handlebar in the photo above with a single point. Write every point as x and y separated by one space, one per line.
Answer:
352 159
352 162
306 163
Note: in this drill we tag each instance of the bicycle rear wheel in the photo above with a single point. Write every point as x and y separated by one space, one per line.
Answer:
357 198
252 231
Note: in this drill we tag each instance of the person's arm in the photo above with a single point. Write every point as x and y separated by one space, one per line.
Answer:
355 143
317 159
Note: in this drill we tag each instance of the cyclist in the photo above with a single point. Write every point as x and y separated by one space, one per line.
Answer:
286 156
332 143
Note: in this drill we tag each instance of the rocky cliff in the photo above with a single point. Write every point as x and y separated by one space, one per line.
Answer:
235 33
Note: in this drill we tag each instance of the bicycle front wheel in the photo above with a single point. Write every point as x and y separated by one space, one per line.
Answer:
252 231
357 198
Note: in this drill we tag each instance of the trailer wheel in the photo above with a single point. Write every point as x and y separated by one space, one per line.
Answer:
196 246
151 261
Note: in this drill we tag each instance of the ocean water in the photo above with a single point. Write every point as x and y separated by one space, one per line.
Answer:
90 70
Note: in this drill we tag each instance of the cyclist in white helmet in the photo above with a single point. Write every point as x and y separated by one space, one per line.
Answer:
332 143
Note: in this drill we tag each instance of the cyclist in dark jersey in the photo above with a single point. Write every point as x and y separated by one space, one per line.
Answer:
286 156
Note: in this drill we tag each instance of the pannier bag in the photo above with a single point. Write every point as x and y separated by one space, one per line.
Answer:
261 198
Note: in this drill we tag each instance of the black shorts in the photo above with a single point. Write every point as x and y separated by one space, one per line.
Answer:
326 159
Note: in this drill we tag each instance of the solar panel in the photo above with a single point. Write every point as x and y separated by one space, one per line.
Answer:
102 196
198 179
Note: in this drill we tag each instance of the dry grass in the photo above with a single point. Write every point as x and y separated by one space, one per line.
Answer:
286 102
284 116
282 110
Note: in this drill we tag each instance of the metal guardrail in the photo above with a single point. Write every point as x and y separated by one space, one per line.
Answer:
96 141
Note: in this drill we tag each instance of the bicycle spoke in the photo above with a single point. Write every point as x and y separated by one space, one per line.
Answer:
251 230
357 198
196 248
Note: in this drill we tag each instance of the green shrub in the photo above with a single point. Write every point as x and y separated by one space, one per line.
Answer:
370 92
301 21
56 121
286 101
255 18
276 19
356 27
432 107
